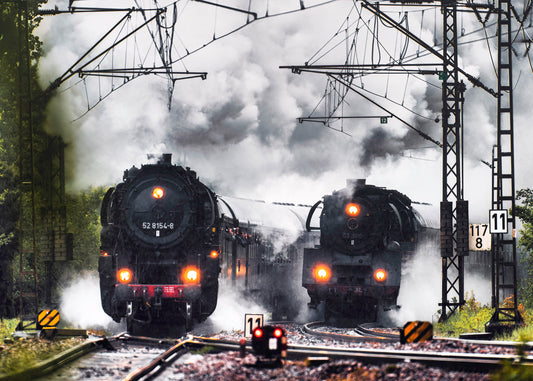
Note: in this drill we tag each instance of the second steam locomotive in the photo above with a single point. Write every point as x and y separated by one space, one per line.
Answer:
366 232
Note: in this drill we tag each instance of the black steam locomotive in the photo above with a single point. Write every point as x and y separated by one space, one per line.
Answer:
166 238
365 234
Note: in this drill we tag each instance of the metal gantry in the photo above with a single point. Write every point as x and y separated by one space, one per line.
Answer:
454 209
504 256
453 218
27 245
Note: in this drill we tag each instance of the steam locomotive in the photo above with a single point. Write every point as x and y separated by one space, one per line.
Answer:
167 241
366 232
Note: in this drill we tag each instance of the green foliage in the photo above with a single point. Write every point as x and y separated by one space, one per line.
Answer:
83 221
471 317
7 327
24 353
525 213
515 371
21 102
203 350
83 215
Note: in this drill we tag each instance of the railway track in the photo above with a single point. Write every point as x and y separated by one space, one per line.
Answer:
362 333
138 358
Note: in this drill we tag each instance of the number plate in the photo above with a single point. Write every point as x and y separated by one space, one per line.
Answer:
251 322
158 225
498 222
480 238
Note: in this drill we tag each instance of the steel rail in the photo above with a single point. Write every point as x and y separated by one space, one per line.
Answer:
456 360
365 334
471 361
160 363
452 360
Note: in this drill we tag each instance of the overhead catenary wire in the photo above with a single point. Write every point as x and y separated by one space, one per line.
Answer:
163 40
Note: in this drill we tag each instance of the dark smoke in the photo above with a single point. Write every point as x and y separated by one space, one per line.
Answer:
378 144
224 126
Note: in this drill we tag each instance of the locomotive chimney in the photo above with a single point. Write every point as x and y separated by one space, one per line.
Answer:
355 183
165 158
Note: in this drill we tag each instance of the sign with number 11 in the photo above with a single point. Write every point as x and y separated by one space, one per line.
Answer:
498 222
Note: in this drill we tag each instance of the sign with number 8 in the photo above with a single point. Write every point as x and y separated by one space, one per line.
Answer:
479 237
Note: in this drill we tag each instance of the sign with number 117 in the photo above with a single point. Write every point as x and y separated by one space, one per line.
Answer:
480 238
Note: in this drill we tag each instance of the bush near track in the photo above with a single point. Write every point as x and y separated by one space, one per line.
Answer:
473 316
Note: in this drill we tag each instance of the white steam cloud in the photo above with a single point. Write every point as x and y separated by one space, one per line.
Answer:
81 306
421 287
230 311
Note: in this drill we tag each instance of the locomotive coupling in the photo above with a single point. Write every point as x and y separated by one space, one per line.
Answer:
158 292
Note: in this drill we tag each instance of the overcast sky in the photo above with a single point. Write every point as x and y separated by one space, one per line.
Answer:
238 128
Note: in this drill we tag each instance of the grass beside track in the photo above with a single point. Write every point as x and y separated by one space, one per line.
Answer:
19 354
473 316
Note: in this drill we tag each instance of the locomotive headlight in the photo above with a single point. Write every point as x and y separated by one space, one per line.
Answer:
352 209
158 193
124 276
380 275
190 275
322 273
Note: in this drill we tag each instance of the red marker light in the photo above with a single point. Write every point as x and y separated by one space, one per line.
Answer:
352 209
278 332
158 193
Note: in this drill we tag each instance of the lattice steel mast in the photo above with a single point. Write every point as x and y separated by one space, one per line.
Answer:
28 281
454 218
504 254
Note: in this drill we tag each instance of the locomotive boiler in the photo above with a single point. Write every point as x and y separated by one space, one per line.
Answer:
168 242
366 232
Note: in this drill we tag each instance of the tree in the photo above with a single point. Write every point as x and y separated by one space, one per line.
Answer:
18 20
525 213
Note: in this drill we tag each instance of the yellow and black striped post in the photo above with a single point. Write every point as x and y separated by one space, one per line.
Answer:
416 331
47 319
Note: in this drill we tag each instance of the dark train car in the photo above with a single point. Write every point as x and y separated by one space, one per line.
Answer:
263 256
166 240
366 232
